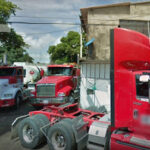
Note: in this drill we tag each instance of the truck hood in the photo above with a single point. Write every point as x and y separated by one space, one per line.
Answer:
53 79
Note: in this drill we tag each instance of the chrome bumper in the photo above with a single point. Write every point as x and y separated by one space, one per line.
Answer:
57 100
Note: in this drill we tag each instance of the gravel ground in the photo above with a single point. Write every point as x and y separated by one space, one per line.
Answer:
7 116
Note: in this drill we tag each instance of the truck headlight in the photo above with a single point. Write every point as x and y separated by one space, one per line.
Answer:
8 95
61 94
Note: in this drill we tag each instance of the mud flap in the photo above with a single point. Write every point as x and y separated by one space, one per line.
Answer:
14 126
80 132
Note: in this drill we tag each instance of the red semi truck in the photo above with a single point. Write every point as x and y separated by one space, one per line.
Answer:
59 86
12 90
68 127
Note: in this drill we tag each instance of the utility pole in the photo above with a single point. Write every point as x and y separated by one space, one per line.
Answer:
80 41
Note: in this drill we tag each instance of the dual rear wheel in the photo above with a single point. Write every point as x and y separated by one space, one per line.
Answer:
60 136
29 131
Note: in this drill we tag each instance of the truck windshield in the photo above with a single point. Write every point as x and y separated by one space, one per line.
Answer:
141 88
7 72
58 71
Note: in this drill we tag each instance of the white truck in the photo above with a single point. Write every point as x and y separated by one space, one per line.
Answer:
31 71
12 89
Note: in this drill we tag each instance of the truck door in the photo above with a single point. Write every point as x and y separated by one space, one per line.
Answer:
19 77
130 51
141 104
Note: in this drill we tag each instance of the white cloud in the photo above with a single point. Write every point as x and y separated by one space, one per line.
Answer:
56 9
39 42
57 41
39 46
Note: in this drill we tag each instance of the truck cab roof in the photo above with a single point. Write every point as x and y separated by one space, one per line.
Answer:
67 66
10 67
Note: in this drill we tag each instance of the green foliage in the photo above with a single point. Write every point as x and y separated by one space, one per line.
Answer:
67 50
6 9
11 42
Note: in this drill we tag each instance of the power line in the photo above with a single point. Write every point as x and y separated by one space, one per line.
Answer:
54 18
56 23
48 32
43 17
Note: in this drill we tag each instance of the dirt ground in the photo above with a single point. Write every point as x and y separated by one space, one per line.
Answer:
7 116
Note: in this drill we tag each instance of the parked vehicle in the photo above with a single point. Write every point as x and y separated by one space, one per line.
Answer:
31 71
12 90
58 87
68 127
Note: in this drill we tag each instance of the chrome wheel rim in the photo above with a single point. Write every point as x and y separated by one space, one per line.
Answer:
28 135
58 141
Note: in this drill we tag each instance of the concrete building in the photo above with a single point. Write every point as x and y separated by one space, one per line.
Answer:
95 67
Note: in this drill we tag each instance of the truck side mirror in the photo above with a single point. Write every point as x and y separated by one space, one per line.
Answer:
78 72
41 72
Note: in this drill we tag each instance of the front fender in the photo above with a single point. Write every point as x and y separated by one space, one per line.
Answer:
12 91
66 90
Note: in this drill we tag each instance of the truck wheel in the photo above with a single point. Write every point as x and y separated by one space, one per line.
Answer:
42 121
71 98
60 137
29 131
18 100
68 122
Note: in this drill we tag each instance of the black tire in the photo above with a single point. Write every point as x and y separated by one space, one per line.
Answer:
60 137
71 98
29 131
18 100
68 122
42 120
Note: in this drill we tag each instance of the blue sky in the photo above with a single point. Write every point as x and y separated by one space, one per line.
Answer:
40 37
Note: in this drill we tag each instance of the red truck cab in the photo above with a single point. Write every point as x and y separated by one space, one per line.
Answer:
58 87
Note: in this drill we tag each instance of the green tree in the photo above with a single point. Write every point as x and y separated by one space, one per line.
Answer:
6 9
66 50
11 42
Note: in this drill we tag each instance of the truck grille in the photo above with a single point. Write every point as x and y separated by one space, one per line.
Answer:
45 90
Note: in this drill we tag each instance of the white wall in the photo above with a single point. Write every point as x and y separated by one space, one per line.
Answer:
96 77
